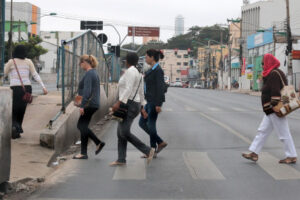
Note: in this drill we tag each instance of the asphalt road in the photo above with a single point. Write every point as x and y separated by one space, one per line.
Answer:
207 131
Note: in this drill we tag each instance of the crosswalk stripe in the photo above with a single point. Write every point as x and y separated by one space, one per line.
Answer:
167 109
239 109
189 109
201 167
278 171
214 109
135 168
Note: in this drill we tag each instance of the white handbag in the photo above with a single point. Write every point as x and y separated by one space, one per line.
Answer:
289 100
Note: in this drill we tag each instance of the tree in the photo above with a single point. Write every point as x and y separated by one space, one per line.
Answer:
34 50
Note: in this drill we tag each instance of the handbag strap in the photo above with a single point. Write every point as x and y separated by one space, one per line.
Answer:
283 83
19 75
137 88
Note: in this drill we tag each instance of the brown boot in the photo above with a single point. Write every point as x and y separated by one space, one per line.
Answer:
288 160
251 156
161 146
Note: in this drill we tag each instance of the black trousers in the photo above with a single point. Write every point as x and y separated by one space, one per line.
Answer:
85 132
19 107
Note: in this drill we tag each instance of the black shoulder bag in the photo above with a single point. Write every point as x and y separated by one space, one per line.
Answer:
122 112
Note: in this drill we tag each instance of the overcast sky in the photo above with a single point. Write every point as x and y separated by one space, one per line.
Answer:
138 12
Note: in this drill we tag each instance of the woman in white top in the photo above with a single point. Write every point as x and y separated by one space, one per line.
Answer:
25 67
131 92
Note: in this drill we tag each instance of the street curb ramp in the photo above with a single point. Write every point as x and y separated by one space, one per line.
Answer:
64 132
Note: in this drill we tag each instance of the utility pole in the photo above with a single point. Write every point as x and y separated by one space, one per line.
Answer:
229 60
10 31
209 60
19 31
290 44
274 41
222 66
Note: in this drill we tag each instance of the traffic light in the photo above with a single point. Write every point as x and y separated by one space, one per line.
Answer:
114 49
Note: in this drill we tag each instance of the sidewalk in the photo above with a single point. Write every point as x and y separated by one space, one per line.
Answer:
29 159
249 92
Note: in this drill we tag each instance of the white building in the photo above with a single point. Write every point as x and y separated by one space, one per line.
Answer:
23 12
51 42
179 25
265 15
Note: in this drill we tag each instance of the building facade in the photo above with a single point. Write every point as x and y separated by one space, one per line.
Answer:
25 16
176 64
259 16
179 25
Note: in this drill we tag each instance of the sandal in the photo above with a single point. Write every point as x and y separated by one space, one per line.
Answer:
80 157
145 156
288 160
116 163
251 156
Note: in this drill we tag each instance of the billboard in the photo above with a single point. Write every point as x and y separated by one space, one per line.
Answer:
143 31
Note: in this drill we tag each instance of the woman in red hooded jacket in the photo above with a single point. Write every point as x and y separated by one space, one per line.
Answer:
270 97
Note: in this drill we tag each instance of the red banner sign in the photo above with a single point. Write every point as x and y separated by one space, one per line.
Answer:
296 54
143 31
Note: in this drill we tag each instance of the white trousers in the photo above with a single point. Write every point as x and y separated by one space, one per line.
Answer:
280 125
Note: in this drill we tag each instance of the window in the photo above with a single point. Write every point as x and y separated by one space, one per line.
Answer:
186 56
179 63
186 64
179 56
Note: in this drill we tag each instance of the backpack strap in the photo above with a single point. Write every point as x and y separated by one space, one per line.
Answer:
283 83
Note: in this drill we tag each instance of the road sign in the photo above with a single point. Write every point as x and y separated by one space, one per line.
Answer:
102 37
143 31
93 25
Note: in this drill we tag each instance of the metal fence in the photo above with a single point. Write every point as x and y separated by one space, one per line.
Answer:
114 67
2 33
70 72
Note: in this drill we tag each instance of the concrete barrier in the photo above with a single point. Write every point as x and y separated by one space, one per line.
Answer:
64 131
5 133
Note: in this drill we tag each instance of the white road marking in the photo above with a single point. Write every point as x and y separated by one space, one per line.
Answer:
201 167
135 169
278 171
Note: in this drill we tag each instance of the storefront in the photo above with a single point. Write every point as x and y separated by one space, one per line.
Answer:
258 44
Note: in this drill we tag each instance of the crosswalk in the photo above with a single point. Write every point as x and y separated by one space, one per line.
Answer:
202 167
188 108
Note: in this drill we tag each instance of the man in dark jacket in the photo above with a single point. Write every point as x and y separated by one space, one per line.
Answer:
155 96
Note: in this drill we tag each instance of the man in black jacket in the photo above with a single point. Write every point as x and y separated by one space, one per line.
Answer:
155 96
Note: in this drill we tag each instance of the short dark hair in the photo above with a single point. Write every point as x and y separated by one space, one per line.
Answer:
132 59
156 54
19 52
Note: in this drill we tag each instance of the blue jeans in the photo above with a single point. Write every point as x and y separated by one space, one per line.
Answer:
149 125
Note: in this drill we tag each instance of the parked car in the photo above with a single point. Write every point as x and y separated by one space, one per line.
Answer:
178 84
198 86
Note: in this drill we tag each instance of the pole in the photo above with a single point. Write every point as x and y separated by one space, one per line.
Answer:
229 60
274 41
209 60
290 44
10 31
133 34
19 31
222 67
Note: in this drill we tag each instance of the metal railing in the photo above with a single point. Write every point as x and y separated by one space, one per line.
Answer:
114 67
69 72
